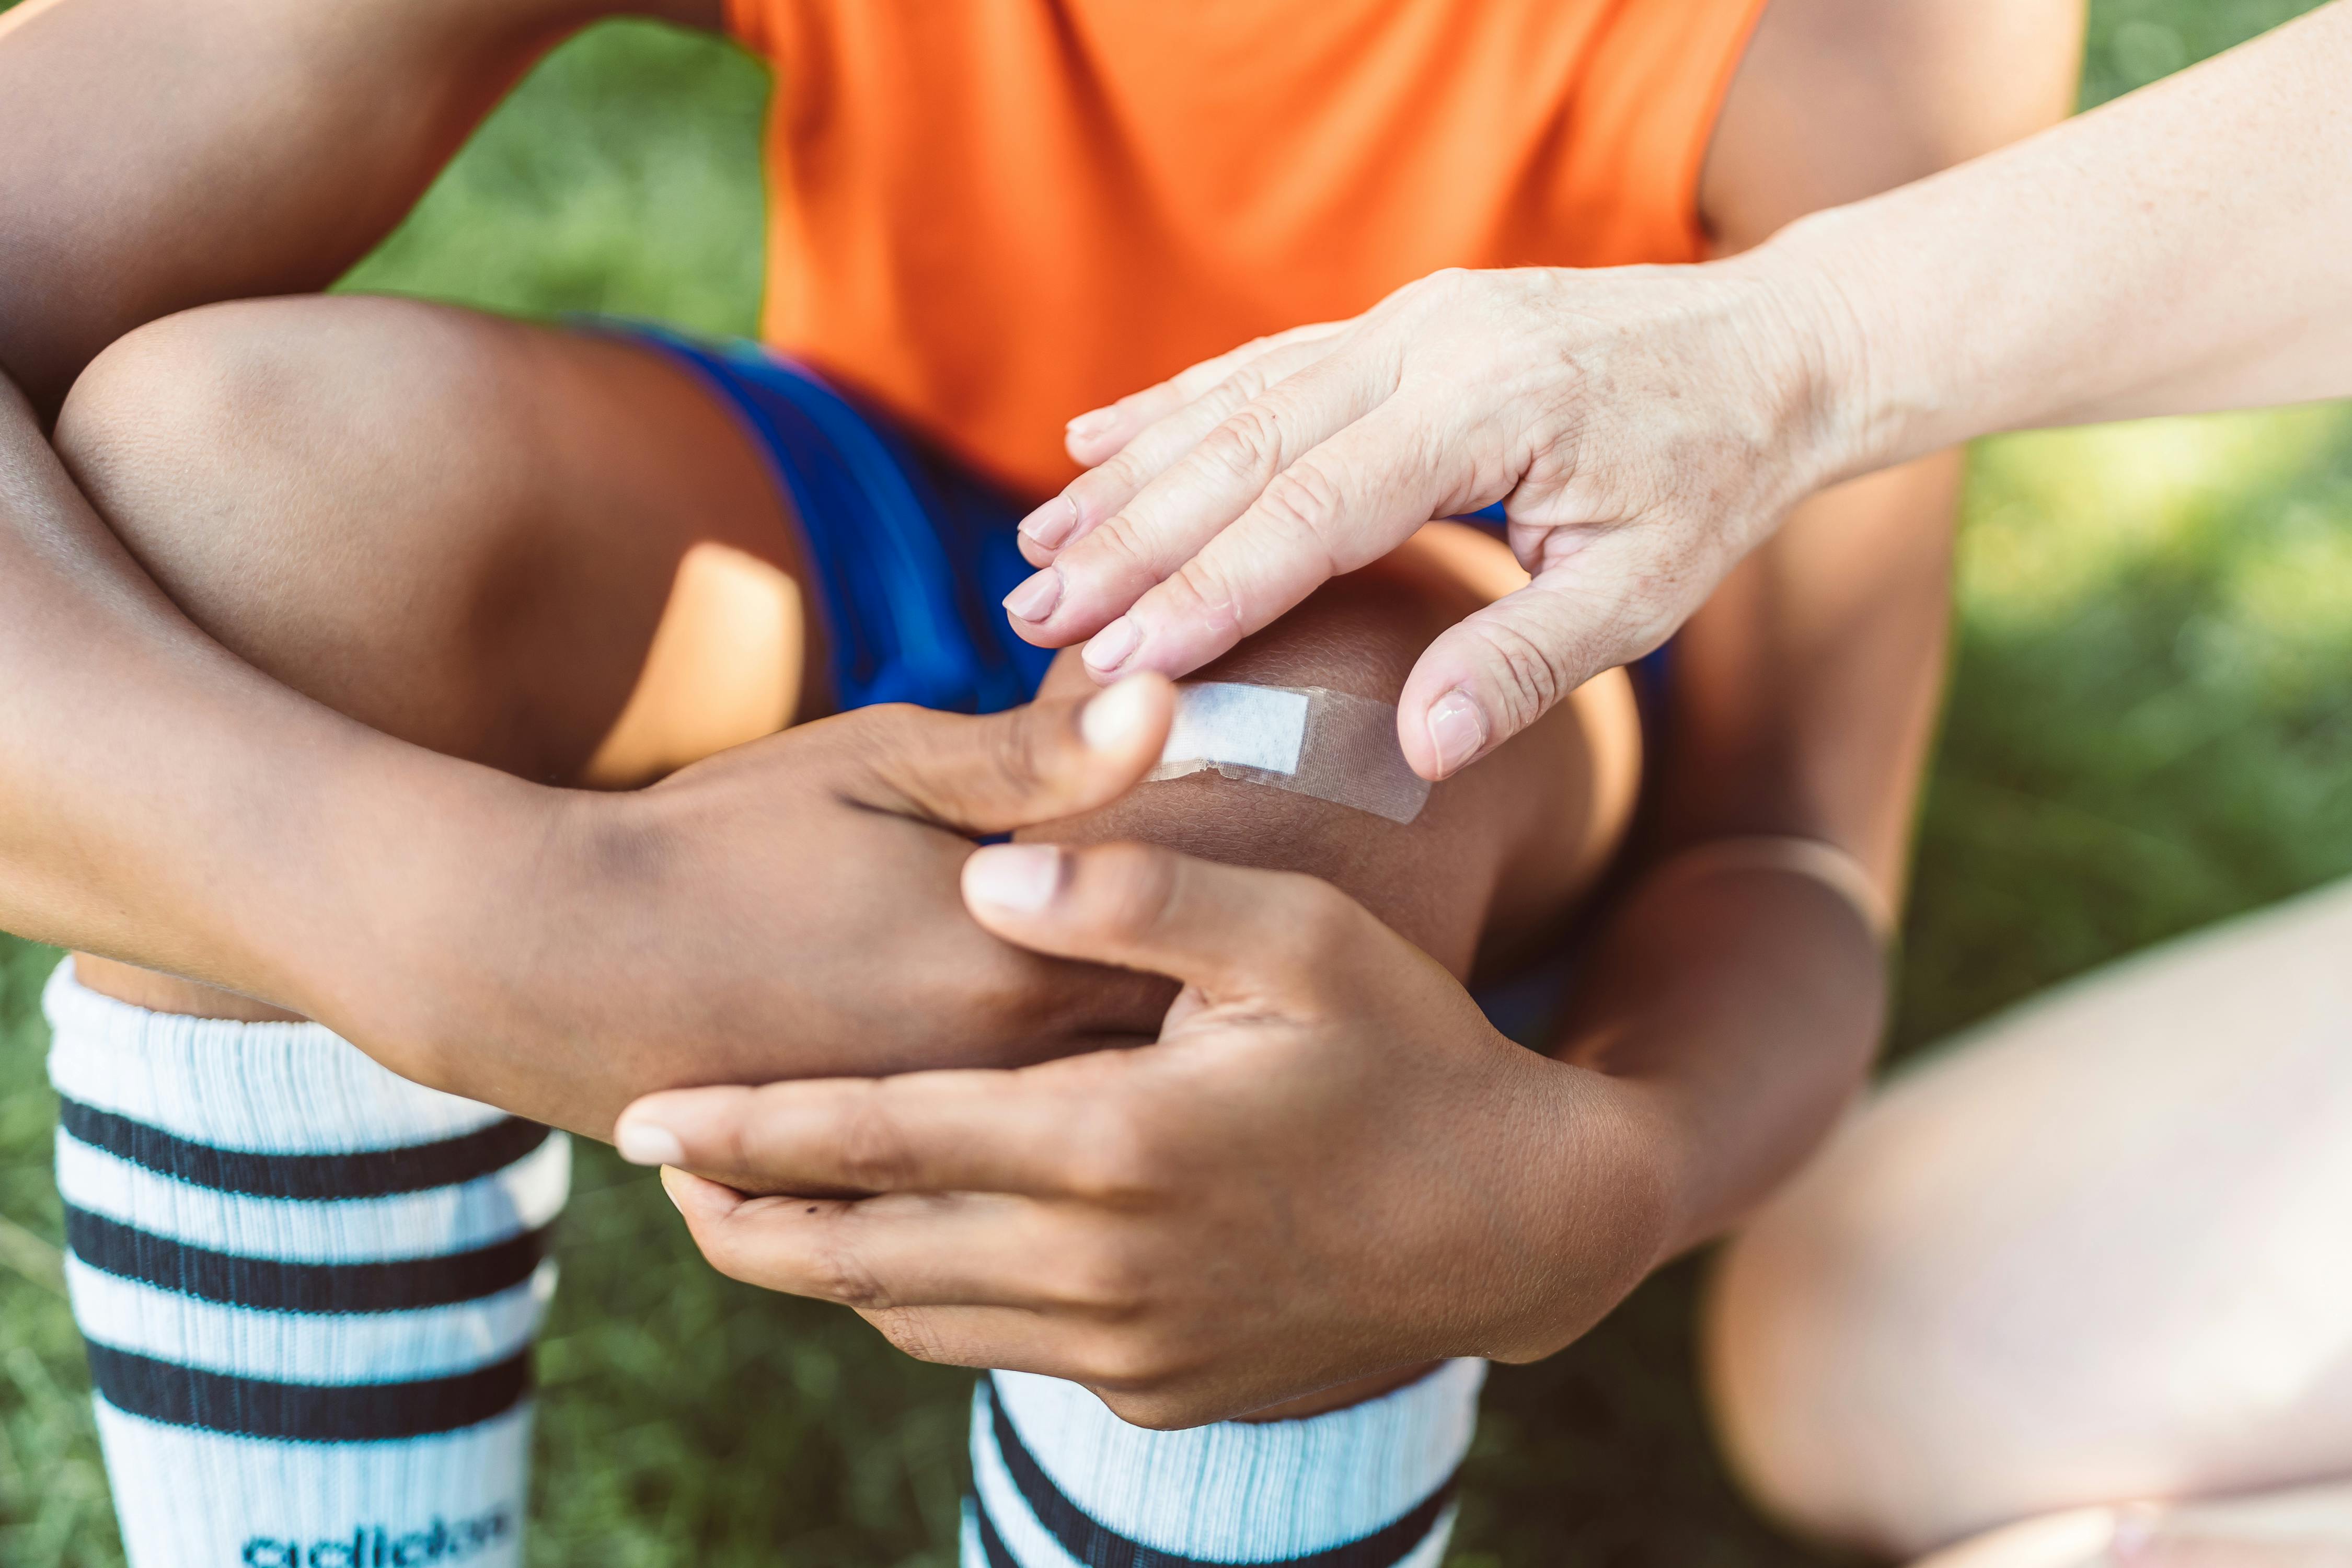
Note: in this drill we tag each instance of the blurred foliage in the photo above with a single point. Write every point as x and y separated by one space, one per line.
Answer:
2134 42
622 178
2150 728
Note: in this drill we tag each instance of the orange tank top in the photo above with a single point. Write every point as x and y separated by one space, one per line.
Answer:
993 215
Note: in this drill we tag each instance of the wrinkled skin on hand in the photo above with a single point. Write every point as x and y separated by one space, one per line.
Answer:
1643 427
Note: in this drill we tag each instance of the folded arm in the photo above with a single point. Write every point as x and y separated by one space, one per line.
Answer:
164 802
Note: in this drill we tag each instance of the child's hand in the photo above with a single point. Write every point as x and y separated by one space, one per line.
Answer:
789 908
1330 1165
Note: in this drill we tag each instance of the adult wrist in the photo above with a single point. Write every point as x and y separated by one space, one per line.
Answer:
1843 419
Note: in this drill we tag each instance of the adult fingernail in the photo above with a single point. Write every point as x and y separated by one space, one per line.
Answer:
1023 877
1456 729
1036 599
1051 523
1112 646
1110 722
647 1143
1090 424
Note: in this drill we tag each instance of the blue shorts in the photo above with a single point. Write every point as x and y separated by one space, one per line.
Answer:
910 552
913 552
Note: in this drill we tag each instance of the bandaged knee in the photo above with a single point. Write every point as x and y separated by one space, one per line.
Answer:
1308 740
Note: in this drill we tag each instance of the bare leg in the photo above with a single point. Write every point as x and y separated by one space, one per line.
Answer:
2095 1254
552 553
2298 1527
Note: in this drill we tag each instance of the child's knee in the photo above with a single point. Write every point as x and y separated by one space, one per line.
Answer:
1507 823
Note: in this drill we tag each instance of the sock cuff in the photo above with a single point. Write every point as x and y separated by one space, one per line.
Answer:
309 1289
262 1087
1370 1485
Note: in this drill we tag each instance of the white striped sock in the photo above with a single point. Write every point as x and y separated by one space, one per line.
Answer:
1060 1482
309 1289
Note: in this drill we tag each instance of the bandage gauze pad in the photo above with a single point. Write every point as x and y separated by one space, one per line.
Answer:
1308 740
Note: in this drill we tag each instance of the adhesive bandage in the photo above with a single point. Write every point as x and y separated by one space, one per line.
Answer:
1308 740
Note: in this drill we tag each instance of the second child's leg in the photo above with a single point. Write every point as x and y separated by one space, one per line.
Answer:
2085 1269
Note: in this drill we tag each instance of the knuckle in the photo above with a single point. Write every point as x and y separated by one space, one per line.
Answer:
1242 388
1529 679
912 1332
1121 550
837 1273
1124 472
1134 886
1020 749
1305 503
875 1154
1103 1277
1211 595
1247 444
1130 1366
722 1249
1119 1159
1166 1407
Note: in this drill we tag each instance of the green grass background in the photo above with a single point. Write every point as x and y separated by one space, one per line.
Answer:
2150 729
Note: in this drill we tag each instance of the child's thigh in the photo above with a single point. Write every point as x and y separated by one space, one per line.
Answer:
475 533
549 552
1498 853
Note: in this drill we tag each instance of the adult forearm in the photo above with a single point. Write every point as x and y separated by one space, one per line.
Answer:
1748 1004
164 802
2178 250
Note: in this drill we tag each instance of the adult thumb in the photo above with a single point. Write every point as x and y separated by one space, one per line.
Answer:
1504 666
1027 766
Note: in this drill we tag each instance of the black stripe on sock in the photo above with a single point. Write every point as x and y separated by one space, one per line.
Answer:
1098 1545
302 1412
369 1174
992 1545
272 1285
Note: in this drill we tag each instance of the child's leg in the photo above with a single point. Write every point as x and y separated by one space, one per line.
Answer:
1362 1474
310 1287
2092 1254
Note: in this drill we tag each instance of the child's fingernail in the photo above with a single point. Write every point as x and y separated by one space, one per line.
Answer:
646 1143
1112 646
1089 426
1457 730
1036 599
1052 523
1111 721
1023 877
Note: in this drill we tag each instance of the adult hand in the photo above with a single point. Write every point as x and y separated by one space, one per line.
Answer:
1327 1165
1643 427
787 909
